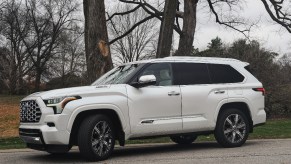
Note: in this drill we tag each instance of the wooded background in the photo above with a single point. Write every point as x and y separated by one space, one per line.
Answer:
49 44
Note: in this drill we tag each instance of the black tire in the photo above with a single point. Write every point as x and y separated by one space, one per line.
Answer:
232 128
97 130
184 139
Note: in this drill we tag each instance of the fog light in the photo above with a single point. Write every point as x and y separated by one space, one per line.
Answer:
51 124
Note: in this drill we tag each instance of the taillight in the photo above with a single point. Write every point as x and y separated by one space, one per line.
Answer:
260 90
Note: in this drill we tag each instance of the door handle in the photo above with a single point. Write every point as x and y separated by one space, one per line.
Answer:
219 92
173 93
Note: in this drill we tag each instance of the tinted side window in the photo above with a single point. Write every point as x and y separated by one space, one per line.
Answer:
191 73
221 73
162 72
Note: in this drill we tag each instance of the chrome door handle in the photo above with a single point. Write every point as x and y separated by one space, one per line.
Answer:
173 93
219 92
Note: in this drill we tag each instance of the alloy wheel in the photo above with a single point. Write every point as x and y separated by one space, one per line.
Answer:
102 140
234 128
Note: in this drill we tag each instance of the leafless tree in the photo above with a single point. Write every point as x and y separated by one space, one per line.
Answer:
279 11
225 12
70 56
32 29
15 57
166 30
47 19
137 45
98 54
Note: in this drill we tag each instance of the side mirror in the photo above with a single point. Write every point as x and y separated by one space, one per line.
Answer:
145 80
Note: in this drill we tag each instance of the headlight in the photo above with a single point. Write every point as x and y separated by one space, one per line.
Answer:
58 103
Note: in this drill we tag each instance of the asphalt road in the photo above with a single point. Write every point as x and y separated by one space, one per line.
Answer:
254 151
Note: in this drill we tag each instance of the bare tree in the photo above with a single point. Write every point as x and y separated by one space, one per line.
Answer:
137 45
225 12
69 58
279 11
48 19
189 27
98 54
15 59
167 26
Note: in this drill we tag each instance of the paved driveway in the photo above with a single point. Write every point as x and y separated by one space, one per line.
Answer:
254 151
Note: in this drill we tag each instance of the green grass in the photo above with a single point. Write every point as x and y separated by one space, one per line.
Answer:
279 128
11 143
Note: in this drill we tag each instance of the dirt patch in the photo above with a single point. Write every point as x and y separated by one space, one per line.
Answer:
9 116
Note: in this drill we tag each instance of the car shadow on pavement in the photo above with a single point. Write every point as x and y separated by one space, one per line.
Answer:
128 151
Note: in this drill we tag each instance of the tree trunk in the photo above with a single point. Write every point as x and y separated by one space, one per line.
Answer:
13 80
37 79
98 55
189 26
20 87
166 30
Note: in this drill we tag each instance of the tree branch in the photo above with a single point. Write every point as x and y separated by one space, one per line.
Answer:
123 13
155 13
228 23
131 29
279 17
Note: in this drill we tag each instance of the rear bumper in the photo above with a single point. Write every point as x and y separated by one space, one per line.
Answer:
259 117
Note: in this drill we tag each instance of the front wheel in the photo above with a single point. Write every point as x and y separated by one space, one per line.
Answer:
184 139
96 138
232 128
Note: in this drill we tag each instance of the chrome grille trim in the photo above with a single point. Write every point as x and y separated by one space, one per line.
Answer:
29 111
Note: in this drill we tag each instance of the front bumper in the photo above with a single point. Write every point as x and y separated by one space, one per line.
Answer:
50 130
34 140
31 136
44 135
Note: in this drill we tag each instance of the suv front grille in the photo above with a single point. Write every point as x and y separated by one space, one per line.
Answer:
29 111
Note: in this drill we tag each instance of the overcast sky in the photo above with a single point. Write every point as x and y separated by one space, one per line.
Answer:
271 35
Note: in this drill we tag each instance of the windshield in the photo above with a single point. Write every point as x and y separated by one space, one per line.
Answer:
117 75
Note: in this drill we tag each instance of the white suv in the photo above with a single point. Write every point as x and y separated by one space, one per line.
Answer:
180 97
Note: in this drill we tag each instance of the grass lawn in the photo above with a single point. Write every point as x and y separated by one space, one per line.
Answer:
9 121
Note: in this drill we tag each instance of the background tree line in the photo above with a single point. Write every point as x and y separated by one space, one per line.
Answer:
47 44
271 68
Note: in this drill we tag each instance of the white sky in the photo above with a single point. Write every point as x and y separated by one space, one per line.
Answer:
271 35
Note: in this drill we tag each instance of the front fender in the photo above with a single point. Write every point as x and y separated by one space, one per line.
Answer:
83 108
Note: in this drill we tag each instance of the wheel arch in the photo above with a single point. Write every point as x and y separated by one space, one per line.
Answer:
242 106
112 114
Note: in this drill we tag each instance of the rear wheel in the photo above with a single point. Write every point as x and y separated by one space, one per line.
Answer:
184 139
96 138
232 128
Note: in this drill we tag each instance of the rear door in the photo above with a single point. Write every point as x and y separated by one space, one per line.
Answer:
227 75
200 97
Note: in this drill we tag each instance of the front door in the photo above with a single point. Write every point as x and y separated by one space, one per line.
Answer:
155 110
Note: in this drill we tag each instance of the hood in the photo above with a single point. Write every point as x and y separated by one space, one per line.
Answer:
75 91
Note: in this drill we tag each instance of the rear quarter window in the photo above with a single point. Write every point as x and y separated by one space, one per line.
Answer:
221 73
